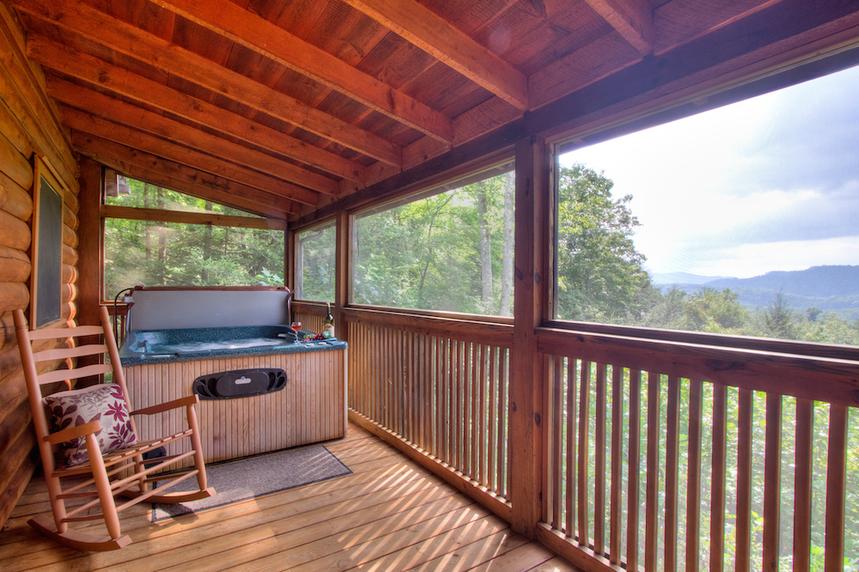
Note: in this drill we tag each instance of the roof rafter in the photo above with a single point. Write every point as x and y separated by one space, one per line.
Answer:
632 19
90 69
93 125
134 42
172 175
422 27
275 43
183 134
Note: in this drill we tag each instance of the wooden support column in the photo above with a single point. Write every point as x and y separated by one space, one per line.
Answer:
90 254
527 378
343 272
289 259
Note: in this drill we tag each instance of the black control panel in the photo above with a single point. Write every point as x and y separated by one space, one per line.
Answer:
239 383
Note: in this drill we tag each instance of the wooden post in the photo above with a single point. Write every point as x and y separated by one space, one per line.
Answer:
289 259
91 255
343 272
527 379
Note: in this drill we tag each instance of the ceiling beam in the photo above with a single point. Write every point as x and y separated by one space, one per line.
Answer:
422 27
171 175
145 121
95 25
95 71
93 125
270 40
632 19
188 217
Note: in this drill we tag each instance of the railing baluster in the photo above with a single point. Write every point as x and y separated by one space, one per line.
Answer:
475 402
492 481
584 413
557 418
599 462
651 532
508 468
693 482
772 482
671 458
717 488
802 486
742 559
634 467
616 463
836 466
482 411
571 446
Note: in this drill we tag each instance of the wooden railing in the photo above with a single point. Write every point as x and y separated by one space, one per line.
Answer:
120 313
442 388
669 455
310 314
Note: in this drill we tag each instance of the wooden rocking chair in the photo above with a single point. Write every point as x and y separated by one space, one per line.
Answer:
106 476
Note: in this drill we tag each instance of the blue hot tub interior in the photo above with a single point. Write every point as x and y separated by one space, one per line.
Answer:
189 343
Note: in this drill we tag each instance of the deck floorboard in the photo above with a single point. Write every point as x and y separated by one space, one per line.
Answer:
390 514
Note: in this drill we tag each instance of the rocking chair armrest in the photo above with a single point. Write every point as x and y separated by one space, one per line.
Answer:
188 401
70 433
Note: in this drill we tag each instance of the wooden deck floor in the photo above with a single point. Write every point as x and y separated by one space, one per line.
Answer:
389 515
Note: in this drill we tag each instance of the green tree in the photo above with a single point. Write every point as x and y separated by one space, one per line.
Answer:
601 276
778 320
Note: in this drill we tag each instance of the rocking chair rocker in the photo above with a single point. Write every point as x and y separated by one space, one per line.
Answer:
106 475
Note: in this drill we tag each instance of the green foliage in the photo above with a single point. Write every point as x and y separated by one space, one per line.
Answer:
426 254
316 263
173 254
601 276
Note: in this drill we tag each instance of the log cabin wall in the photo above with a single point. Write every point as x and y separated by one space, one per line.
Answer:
28 127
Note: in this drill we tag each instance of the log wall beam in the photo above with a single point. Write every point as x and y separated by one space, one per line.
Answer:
94 71
422 27
273 42
95 25
632 19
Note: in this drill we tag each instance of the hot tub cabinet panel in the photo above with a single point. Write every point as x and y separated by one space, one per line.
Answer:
311 408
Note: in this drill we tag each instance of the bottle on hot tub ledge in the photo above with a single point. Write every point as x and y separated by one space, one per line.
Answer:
328 324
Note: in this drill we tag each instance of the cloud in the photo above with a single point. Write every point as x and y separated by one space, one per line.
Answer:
724 188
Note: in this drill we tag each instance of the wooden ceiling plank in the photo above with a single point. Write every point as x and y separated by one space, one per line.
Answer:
433 34
145 121
134 42
272 41
90 69
632 19
188 217
93 125
169 174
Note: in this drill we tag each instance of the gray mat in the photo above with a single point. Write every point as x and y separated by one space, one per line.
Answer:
256 476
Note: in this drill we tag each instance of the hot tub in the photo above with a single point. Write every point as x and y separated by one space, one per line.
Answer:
156 346
161 365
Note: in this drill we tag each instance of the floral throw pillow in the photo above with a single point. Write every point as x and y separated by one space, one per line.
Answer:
100 402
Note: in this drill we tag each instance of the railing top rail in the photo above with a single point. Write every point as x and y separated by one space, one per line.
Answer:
818 378
472 329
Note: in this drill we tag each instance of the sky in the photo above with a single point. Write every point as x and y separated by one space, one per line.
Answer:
769 183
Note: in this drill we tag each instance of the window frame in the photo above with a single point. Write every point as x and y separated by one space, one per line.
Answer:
566 139
116 212
447 181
